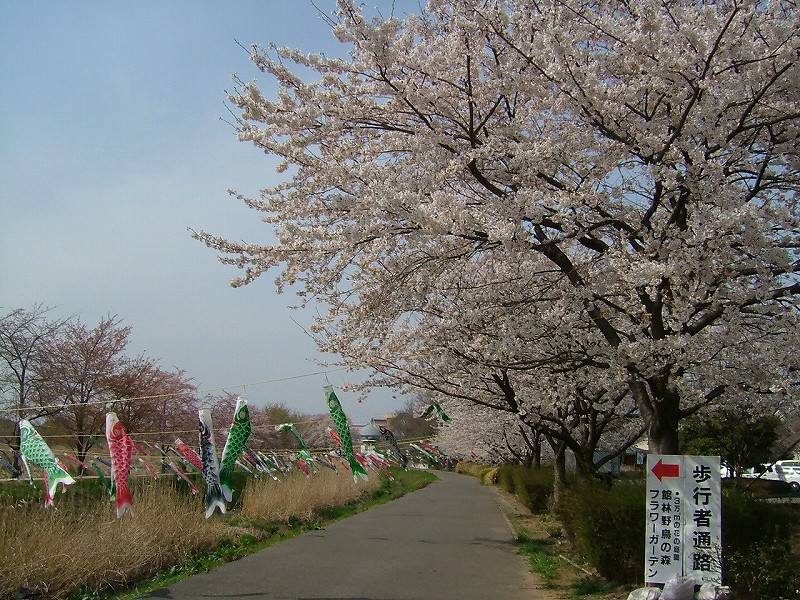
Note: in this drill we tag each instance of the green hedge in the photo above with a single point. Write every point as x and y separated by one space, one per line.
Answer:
605 520
761 547
533 487
760 539
606 524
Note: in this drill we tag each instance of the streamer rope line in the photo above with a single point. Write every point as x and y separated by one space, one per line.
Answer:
157 458
281 451
173 394
167 432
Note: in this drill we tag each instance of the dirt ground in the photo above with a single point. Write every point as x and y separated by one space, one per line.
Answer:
571 568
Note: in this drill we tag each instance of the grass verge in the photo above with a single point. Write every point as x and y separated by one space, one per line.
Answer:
540 554
563 572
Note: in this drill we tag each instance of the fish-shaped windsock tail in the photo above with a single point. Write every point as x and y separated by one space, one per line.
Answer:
226 482
357 469
27 467
443 415
124 500
214 499
48 492
58 475
399 457
427 412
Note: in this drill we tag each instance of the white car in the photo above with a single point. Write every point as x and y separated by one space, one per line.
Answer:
784 470
788 463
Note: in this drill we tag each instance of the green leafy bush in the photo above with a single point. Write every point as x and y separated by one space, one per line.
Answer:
760 539
764 570
758 558
505 478
607 525
533 487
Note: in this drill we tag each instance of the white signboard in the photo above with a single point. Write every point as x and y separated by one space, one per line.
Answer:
684 518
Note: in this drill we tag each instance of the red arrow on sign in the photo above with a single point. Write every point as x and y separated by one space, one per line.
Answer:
662 470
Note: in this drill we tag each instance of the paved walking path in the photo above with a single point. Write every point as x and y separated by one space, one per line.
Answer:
448 540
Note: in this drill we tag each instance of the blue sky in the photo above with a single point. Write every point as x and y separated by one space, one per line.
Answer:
113 145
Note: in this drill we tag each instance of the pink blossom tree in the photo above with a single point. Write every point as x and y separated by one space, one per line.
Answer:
624 173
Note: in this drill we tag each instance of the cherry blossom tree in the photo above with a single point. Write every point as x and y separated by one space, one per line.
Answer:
24 336
626 173
313 429
81 375
484 434
150 399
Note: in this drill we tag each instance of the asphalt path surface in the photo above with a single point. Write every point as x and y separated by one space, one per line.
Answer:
448 540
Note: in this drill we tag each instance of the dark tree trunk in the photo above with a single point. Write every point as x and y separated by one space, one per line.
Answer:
559 468
660 408
584 464
663 430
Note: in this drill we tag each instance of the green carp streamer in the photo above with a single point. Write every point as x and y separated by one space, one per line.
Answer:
340 420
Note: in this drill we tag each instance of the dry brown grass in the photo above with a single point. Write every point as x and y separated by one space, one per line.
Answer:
53 552
81 544
302 497
487 474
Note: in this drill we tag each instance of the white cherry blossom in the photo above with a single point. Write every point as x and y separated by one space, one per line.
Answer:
588 199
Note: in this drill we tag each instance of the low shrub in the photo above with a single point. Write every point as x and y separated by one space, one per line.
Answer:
533 487
760 540
760 546
764 570
487 474
768 487
606 525
520 479
505 478
489 477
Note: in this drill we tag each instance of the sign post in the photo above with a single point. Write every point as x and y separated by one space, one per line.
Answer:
684 518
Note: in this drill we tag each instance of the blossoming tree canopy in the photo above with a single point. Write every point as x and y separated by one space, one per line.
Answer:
627 173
